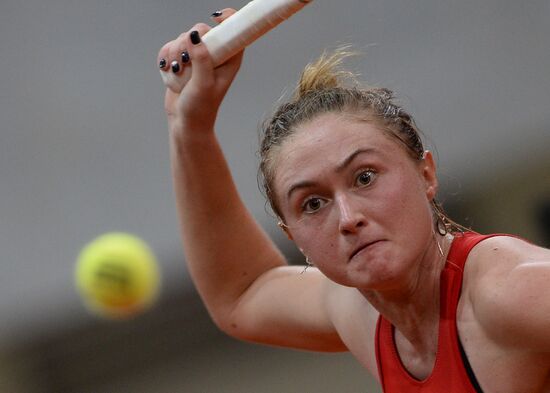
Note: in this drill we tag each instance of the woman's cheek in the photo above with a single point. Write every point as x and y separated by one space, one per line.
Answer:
399 199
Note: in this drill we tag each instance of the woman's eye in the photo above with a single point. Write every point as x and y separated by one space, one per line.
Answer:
365 178
312 205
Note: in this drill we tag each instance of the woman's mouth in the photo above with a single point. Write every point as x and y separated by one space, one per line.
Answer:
363 247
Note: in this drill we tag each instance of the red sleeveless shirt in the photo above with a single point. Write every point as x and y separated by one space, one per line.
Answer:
451 372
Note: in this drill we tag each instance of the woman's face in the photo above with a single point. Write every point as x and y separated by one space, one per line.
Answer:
354 200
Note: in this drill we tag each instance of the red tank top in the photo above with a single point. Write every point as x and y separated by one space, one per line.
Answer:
450 373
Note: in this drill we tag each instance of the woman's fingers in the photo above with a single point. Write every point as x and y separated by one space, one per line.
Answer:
189 74
202 63
174 58
221 15
177 56
163 60
179 52
201 67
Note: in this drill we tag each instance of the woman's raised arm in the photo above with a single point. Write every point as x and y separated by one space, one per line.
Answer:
240 274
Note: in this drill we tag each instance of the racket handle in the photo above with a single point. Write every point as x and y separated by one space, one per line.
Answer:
240 30
247 25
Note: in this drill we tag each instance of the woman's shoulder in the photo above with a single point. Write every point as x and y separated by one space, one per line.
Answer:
507 284
497 254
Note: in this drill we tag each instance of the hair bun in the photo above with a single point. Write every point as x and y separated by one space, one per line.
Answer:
325 73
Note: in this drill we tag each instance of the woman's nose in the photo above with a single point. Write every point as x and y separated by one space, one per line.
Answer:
352 217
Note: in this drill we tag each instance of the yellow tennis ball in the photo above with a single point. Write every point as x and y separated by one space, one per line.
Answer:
117 275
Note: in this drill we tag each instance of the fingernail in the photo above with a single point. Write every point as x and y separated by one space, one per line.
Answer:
162 63
175 67
185 57
216 14
195 38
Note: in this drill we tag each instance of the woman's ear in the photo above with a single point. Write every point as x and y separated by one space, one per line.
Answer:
429 174
285 229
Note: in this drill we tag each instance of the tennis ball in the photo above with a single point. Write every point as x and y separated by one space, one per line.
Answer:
117 275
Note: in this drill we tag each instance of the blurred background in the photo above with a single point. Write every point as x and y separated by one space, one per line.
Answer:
84 150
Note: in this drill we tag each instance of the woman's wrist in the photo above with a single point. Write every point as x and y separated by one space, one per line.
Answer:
187 129
183 136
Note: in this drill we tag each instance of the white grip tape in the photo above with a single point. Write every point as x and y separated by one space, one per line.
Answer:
240 30
246 26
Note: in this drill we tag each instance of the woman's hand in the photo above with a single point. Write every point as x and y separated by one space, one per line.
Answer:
186 62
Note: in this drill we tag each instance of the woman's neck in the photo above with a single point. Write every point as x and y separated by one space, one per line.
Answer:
413 309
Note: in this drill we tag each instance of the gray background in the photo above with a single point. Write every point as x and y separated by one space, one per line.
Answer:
84 150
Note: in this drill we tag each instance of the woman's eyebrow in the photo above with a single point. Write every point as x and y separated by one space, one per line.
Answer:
352 156
297 186
339 168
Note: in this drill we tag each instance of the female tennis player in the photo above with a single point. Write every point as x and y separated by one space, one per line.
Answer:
422 304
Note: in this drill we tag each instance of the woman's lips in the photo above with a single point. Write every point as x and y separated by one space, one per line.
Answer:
363 247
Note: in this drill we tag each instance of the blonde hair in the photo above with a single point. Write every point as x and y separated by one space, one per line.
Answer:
326 72
324 87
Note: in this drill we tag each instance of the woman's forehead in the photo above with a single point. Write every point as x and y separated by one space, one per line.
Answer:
334 135
328 141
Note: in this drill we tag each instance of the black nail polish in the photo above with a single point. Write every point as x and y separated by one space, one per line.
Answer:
216 14
175 67
185 57
195 38
162 63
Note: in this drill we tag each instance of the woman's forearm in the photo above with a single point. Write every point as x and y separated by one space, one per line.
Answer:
225 248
